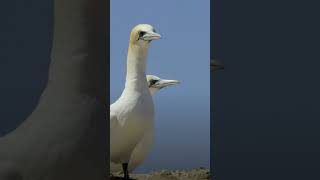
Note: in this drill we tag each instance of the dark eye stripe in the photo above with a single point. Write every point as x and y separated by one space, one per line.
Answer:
141 33
152 82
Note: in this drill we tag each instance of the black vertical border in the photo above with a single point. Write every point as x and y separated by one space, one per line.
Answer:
212 155
105 53
215 53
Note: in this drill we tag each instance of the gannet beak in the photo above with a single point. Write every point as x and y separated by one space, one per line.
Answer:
216 65
165 83
149 36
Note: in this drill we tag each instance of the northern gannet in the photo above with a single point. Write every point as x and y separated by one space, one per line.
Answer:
142 149
133 113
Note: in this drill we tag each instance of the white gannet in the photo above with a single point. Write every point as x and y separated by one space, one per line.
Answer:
143 147
132 114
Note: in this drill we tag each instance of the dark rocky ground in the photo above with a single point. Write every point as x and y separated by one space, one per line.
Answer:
193 174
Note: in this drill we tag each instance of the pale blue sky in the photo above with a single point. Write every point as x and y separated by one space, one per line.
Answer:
182 138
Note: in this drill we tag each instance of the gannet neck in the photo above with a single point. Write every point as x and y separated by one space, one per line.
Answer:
136 67
153 91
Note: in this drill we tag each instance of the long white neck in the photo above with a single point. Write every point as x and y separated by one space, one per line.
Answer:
136 68
153 91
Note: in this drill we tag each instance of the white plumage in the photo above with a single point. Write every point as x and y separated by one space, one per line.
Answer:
132 114
142 149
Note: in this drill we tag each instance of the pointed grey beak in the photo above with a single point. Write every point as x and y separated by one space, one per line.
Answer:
149 36
216 65
165 83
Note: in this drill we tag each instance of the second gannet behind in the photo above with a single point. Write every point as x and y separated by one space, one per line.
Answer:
142 149
132 114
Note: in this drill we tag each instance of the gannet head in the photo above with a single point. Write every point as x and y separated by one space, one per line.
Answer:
155 83
143 34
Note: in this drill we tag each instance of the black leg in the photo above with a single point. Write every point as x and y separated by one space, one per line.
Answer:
125 171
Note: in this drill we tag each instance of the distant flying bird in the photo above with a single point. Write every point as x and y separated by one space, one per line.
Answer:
133 113
142 149
216 65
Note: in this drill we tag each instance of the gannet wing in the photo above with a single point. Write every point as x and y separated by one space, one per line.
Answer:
114 127
116 137
114 123
138 155
141 150
115 168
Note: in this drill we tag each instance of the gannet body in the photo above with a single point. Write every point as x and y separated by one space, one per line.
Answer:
132 114
142 149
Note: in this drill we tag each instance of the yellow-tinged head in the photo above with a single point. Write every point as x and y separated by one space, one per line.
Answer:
143 34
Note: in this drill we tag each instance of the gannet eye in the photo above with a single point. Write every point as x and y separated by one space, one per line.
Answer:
152 82
141 33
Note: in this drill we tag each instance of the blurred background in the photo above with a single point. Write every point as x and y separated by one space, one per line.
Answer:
266 101
25 44
182 123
